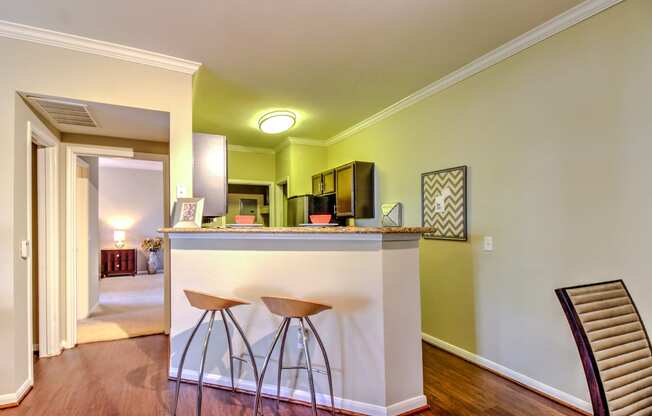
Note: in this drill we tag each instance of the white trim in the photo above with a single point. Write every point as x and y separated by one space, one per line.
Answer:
49 233
15 398
250 149
553 26
304 396
300 140
96 47
307 142
48 261
72 151
280 200
509 374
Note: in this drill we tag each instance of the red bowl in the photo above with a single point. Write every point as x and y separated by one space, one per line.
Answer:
320 218
245 219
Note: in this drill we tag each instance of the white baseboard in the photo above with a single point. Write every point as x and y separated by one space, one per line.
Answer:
535 385
15 398
66 344
322 399
159 271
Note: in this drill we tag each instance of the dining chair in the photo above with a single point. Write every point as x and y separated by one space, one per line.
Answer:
614 347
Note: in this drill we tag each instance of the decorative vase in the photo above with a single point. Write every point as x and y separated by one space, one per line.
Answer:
152 263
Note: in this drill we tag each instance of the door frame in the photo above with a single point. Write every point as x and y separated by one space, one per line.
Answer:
72 151
271 195
49 238
167 218
280 212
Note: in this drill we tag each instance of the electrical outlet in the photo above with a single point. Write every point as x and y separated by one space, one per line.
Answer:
181 191
488 243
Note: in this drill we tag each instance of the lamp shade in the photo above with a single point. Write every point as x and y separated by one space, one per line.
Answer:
119 235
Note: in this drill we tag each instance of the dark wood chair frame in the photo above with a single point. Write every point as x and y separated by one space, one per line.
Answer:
596 387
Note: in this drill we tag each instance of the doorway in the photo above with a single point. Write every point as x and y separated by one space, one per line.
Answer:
282 190
120 261
251 199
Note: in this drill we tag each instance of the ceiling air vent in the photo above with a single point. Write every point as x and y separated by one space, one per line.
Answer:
65 113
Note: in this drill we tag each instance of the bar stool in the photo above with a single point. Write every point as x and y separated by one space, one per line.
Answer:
301 310
212 304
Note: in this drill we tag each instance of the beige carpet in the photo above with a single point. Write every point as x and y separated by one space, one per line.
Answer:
129 307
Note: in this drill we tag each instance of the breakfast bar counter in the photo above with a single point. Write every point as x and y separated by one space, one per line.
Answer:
369 275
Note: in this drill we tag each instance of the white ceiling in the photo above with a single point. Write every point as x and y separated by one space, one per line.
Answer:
335 62
122 163
115 120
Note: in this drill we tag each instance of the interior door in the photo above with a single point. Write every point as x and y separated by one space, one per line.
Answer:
345 190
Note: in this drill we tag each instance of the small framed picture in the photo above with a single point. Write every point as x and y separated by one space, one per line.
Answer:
188 212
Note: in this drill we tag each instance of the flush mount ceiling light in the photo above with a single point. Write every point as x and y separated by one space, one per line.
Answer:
276 122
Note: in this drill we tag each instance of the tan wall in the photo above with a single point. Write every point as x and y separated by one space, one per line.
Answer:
141 146
131 199
558 142
34 68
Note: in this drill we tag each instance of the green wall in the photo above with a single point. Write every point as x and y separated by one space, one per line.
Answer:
299 162
557 140
252 166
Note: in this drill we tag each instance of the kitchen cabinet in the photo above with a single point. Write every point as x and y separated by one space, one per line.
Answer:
354 185
316 184
323 183
328 182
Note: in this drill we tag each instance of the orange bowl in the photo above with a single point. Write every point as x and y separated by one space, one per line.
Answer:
245 219
320 218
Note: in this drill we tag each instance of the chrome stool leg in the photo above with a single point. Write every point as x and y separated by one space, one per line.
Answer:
328 365
280 362
257 400
313 397
247 345
228 341
200 382
183 359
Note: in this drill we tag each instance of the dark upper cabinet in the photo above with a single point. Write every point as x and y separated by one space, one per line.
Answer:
316 185
354 185
323 183
328 182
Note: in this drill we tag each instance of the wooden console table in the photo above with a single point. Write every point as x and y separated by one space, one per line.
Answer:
118 262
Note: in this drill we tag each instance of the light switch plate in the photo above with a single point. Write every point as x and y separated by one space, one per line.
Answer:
24 249
488 243
181 191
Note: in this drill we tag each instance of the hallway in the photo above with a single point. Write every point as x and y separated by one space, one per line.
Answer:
129 307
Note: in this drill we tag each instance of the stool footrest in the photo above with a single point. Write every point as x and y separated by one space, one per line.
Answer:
300 367
242 360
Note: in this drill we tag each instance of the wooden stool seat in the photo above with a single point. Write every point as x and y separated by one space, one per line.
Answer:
293 308
208 302
213 304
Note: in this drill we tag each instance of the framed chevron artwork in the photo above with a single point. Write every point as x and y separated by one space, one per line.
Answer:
443 204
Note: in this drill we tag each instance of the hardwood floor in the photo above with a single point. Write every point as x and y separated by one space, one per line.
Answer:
129 377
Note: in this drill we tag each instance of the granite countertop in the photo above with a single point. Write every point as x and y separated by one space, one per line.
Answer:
300 230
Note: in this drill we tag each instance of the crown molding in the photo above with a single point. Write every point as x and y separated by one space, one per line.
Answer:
300 140
250 149
540 33
96 47
307 142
